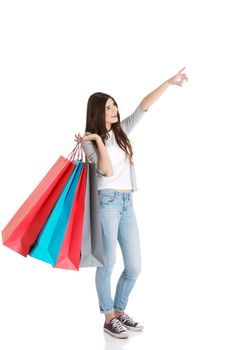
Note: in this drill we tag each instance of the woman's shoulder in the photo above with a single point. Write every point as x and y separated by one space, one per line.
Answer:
130 122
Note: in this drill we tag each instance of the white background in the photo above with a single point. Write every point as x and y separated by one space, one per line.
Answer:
54 54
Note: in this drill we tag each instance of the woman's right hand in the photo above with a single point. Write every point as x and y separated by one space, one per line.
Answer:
87 137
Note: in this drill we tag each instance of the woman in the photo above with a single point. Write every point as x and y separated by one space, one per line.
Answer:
107 145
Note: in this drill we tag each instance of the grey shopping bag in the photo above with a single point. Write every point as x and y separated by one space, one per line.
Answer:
92 244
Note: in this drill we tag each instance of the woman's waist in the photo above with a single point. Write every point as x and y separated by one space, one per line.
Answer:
115 191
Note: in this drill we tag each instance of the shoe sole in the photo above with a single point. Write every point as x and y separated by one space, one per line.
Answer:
119 336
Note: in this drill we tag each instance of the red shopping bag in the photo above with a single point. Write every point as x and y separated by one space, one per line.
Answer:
69 255
24 227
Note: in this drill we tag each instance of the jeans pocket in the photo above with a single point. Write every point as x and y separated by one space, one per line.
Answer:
106 199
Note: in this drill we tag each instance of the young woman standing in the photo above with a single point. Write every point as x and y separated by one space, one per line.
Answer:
106 144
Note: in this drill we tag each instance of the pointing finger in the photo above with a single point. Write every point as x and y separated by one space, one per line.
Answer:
181 70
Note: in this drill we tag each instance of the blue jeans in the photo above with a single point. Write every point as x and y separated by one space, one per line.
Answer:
118 224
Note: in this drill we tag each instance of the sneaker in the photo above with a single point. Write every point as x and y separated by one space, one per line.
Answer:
116 329
128 322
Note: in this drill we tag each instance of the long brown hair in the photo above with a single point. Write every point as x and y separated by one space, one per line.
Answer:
95 122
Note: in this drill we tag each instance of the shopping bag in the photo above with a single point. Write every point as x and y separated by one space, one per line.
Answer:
22 230
69 255
92 243
49 242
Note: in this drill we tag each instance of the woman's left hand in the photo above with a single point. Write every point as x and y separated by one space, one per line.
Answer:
179 78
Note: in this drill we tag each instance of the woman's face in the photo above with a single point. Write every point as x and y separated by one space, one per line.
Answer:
110 113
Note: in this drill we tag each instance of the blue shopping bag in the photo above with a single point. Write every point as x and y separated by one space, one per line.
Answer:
49 242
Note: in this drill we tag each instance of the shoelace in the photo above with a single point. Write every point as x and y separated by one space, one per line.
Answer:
117 325
127 318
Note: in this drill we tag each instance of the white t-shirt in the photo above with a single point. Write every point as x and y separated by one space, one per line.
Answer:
91 152
121 178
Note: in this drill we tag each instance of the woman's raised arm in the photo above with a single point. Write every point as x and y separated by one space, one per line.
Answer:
177 79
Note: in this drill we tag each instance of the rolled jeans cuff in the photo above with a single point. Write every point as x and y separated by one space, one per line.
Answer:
107 312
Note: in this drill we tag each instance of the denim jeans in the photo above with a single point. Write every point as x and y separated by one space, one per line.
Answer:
118 225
